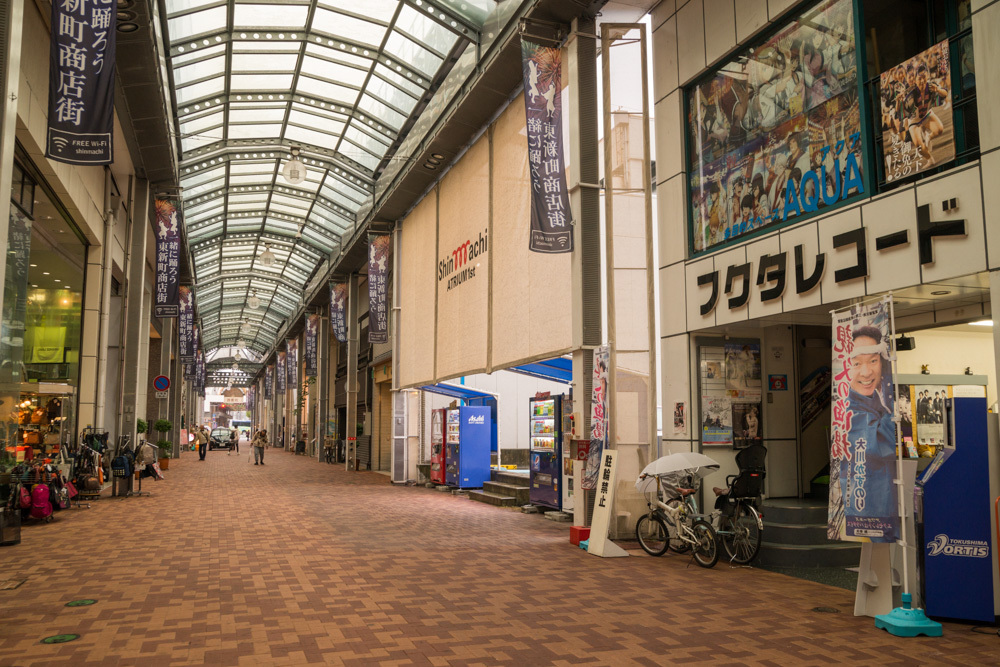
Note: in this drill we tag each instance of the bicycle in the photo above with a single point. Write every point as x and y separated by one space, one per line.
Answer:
676 525
737 519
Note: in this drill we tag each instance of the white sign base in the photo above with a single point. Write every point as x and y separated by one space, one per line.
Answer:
599 544
162 394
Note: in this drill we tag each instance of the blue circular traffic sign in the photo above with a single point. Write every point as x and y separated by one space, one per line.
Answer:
161 383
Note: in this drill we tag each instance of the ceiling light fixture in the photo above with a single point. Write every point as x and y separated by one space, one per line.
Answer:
267 257
253 301
294 171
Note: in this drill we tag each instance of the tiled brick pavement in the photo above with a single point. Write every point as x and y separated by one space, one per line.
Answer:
299 562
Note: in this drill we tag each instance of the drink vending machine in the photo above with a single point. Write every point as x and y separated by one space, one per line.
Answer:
469 433
438 418
546 452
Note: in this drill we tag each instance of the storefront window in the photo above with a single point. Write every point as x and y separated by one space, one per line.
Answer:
775 133
41 322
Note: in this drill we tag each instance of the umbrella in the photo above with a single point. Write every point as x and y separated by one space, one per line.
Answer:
690 463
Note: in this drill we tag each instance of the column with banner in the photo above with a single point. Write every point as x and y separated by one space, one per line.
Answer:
338 310
378 287
185 331
168 255
551 217
863 501
81 82
311 342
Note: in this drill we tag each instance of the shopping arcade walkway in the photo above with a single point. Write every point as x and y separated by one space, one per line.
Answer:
299 562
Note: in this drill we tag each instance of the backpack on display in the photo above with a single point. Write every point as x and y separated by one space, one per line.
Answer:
41 505
25 498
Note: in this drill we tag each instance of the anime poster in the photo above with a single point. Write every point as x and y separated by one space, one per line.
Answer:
743 370
680 418
929 408
863 500
905 405
776 132
598 417
716 421
917 129
747 427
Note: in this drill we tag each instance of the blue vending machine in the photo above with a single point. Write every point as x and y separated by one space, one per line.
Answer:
954 513
469 435
546 451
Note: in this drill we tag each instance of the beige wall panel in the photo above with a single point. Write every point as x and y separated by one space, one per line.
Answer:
463 288
416 317
531 292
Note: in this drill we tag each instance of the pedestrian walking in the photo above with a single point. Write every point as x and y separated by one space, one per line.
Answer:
202 442
258 443
234 442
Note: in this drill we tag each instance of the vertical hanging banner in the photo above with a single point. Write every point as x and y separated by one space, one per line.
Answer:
251 395
200 375
338 311
312 338
191 368
378 288
185 331
168 255
81 82
598 417
551 217
269 382
292 362
280 371
863 504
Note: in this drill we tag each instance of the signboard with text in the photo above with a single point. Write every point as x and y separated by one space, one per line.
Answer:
168 255
378 288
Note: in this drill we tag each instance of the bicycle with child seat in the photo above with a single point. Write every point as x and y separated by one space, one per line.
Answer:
676 524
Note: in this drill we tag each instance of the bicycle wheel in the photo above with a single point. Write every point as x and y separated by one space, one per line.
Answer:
743 535
652 534
676 543
706 552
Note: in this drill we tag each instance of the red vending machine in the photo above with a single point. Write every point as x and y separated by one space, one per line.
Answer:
437 446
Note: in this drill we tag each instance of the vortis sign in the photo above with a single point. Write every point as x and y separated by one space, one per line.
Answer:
456 266
971 548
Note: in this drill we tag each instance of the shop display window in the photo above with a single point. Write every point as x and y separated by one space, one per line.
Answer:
730 386
40 328
775 133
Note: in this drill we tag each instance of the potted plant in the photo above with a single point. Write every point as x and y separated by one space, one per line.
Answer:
163 426
141 427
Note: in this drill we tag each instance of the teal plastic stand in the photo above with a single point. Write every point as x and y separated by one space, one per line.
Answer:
584 544
906 622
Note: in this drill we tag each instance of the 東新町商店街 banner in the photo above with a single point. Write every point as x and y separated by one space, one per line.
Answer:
338 311
378 288
168 256
186 328
311 343
81 82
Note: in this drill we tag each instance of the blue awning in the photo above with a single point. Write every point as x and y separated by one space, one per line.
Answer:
559 369
456 391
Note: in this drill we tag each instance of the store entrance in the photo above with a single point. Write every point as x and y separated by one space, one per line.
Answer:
813 347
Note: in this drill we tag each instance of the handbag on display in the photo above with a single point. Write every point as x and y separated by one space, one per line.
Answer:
71 490
32 438
38 415
50 439
91 483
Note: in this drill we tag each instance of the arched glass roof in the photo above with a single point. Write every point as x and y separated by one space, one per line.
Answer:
343 81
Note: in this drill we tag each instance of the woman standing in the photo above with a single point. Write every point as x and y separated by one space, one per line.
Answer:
258 443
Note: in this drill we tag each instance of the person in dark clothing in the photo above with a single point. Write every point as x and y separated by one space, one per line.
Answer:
202 443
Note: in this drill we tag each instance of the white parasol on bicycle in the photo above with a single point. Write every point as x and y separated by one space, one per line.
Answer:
675 465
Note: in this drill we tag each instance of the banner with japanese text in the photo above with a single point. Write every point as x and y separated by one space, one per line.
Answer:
191 368
251 397
338 311
311 343
863 503
168 256
281 371
598 417
200 374
81 82
378 288
269 383
186 328
292 362
551 217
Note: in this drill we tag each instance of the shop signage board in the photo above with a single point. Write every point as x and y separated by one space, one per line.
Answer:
457 268
771 275
551 217
186 329
599 544
292 362
81 82
311 342
863 501
168 254
916 103
378 287
598 417
280 371
338 310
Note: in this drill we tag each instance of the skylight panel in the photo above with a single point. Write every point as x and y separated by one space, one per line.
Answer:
355 29
198 23
275 17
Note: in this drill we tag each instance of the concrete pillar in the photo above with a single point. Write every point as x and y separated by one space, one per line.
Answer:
168 327
323 385
136 326
11 43
353 337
